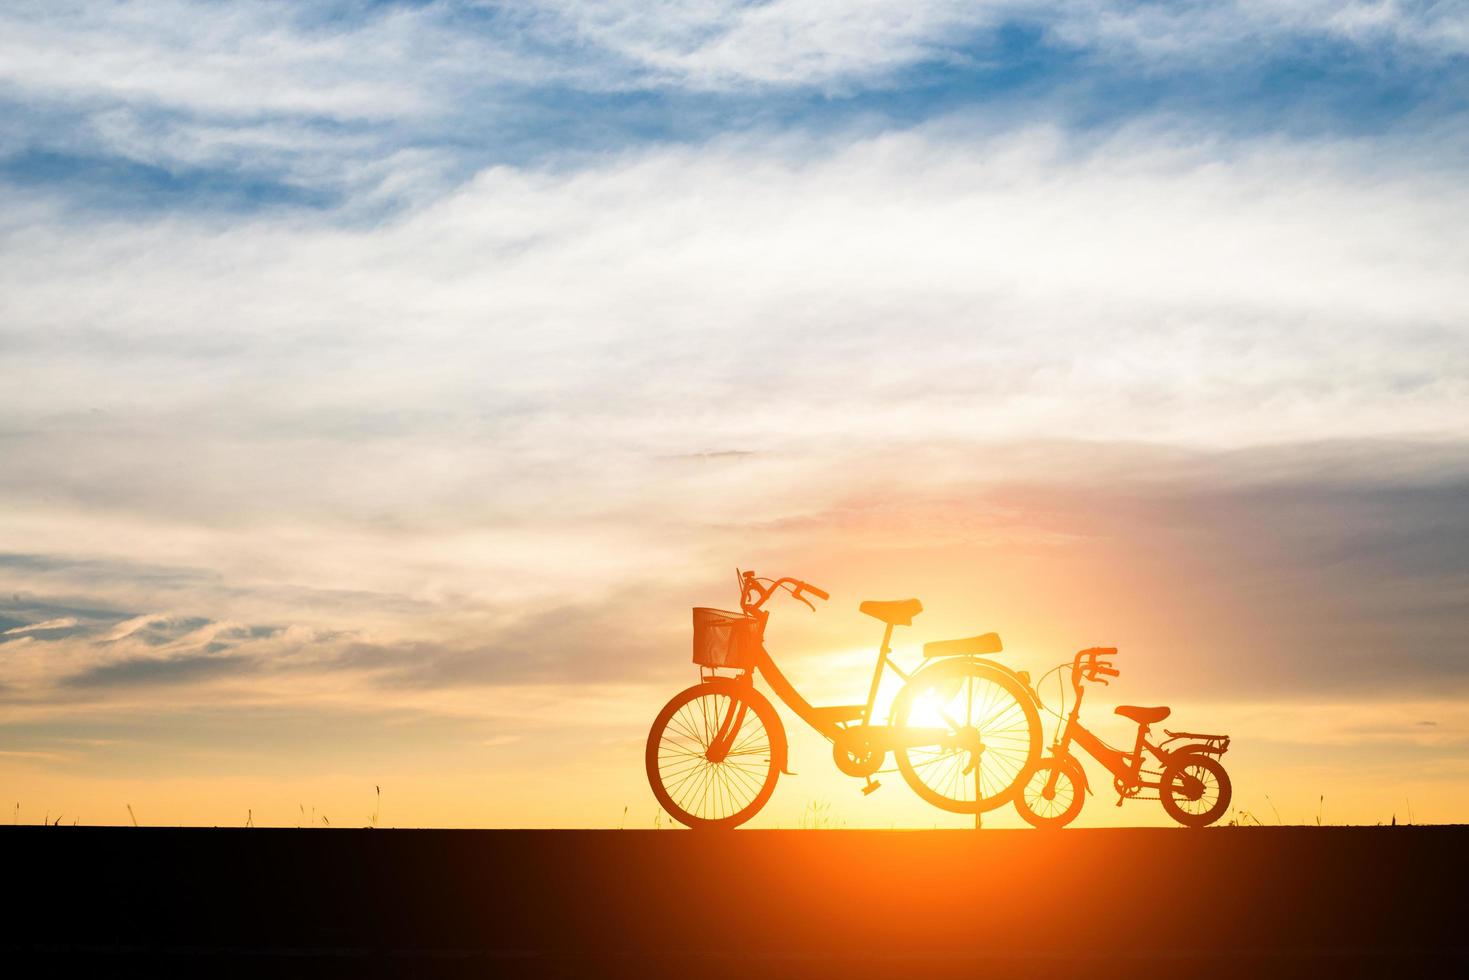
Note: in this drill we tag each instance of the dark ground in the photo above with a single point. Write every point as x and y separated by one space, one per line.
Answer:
812 904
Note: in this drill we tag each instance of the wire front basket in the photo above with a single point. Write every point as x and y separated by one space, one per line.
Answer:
725 639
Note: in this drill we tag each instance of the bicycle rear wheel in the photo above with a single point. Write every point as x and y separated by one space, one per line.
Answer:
711 756
980 704
1194 789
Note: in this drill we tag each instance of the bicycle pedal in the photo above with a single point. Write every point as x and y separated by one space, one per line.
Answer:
870 787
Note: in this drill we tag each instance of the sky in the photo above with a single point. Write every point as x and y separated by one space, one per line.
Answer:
381 383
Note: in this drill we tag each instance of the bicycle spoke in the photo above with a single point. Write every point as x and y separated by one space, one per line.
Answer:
986 705
679 742
970 701
758 752
689 787
746 781
706 784
689 778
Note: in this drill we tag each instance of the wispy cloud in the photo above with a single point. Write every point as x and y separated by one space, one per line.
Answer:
371 107
42 627
139 671
1270 286
453 402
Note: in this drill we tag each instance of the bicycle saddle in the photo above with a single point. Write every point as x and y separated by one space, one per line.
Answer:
899 612
1143 716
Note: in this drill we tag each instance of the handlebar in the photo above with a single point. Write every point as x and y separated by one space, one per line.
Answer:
753 595
1089 665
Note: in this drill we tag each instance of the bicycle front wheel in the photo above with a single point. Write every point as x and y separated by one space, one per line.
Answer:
711 755
993 738
1044 805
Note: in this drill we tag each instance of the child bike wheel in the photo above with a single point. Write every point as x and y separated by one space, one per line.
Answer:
969 699
1064 804
1194 789
703 792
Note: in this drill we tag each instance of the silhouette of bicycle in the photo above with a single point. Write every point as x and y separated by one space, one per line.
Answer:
1189 779
963 730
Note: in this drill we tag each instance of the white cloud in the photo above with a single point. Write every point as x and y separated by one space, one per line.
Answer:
1279 291
222 59
530 368
50 624
1250 28
787 42
348 105
241 62
831 43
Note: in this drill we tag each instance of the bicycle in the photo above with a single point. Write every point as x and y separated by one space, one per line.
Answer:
1192 784
963 730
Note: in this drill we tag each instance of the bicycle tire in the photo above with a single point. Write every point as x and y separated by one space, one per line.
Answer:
706 795
1013 762
1040 813
1172 788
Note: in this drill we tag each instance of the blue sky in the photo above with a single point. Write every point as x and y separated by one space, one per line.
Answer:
245 107
415 367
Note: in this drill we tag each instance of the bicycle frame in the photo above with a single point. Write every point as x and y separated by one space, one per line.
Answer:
835 721
1126 767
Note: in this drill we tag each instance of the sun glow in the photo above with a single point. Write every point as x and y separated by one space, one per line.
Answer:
927 711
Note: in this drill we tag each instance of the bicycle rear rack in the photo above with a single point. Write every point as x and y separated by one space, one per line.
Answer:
1214 744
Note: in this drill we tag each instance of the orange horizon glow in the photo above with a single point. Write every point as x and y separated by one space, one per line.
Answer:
567 755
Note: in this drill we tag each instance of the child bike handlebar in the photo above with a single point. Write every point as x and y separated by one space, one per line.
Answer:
1089 665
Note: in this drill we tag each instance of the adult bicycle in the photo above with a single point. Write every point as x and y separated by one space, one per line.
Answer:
963 730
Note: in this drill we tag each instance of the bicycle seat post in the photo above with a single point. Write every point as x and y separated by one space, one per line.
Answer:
882 659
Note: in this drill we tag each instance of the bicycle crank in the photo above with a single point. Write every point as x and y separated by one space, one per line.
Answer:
855 755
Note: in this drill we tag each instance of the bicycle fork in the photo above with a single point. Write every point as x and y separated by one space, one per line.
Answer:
724 739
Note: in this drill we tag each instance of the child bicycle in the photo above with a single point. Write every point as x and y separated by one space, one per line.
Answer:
1190 782
963 730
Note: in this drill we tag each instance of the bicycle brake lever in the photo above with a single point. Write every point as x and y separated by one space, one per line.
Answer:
803 600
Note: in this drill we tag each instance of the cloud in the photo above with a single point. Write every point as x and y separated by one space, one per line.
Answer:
1191 30
607 640
841 45
115 178
524 396
140 671
723 45
270 58
1302 290
366 109
1333 569
46 626
390 61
